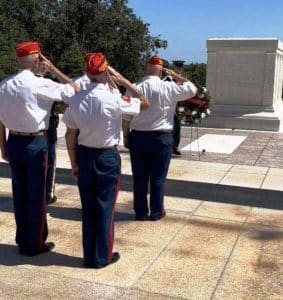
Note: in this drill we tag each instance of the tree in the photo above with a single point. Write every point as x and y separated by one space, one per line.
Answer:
68 29
196 72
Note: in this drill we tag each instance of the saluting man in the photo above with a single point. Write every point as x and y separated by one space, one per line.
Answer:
25 105
93 121
84 81
149 137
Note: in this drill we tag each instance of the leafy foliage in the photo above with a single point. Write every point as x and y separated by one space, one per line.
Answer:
68 29
196 72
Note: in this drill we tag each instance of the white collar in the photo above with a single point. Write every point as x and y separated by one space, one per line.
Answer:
151 77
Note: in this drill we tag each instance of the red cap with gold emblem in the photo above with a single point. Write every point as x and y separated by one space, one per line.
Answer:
156 60
95 63
27 48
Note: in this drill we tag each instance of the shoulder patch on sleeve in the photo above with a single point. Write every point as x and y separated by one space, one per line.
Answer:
126 98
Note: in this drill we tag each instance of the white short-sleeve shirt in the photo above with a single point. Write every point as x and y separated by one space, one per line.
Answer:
97 113
163 97
26 101
82 82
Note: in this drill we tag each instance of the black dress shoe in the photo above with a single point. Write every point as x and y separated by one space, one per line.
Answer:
115 258
176 152
47 247
51 200
141 217
156 217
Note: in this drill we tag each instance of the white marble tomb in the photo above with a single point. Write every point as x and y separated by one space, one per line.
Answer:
244 77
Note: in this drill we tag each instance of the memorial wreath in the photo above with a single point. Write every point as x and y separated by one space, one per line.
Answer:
194 110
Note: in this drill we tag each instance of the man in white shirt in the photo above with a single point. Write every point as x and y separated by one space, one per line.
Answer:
25 104
84 81
149 137
93 121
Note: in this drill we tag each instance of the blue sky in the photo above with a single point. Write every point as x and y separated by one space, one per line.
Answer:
187 24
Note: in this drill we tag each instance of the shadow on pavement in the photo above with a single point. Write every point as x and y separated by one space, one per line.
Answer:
9 257
266 235
67 213
254 233
191 190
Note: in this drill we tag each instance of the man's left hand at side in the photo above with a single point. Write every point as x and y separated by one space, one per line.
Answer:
4 155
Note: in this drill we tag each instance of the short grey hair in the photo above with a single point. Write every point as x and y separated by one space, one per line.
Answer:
27 61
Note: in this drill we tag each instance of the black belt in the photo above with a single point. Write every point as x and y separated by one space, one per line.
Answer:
151 131
105 148
41 132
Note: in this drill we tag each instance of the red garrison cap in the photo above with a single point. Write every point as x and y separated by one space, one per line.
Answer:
87 57
27 48
156 60
95 63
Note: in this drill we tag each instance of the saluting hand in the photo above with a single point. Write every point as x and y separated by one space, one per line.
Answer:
42 66
121 80
179 78
118 78
47 64
170 72
126 142
167 71
110 81
4 156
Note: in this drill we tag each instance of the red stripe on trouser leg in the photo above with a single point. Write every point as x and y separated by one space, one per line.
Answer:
111 233
43 206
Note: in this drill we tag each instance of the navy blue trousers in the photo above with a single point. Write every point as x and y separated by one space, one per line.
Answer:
28 160
98 181
176 132
150 153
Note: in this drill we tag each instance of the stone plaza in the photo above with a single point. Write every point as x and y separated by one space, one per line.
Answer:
221 239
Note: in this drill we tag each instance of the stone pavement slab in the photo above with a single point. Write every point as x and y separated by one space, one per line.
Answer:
201 250
266 217
244 178
273 179
223 211
201 247
255 268
197 171
21 283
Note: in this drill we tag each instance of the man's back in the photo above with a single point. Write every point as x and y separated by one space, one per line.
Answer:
26 101
22 112
97 112
162 96
83 82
